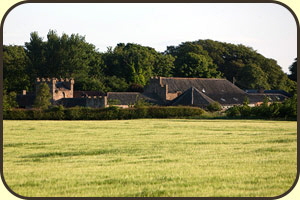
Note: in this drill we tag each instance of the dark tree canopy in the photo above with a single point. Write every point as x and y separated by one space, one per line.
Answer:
293 70
121 67
16 76
231 60
136 63
192 61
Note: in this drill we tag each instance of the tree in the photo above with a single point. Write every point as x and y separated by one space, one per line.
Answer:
136 63
252 77
9 100
246 101
163 65
43 97
65 56
115 84
191 60
293 70
35 50
231 60
15 61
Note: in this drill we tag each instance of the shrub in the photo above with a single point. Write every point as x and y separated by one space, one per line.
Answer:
82 113
141 103
9 101
43 96
213 107
55 113
245 111
16 114
74 113
288 108
233 111
173 112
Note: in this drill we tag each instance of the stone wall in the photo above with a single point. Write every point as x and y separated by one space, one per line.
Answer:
93 102
156 87
59 88
171 96
96 102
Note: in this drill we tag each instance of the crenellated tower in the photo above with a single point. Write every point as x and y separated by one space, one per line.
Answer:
59 88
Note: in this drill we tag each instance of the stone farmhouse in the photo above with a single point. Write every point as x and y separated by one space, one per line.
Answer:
164 91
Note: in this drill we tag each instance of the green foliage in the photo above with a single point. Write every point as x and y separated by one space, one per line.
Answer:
125 64
115 84
56 112
15 61
164 65
109 113
85 83
141 103
252 76
233 112
65 56
289 108
9 100
233 59
275 110
293 70
43 97
136 63
246 101
213 107
191 60
174 112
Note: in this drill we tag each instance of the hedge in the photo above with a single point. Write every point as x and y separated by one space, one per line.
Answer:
110 113
286 110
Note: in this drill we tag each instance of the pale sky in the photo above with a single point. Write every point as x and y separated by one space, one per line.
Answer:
268 28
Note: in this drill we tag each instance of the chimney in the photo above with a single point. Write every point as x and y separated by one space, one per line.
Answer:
233 81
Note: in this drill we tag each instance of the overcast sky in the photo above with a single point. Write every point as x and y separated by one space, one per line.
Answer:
270 29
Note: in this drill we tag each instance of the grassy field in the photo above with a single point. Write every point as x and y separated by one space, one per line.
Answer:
150 157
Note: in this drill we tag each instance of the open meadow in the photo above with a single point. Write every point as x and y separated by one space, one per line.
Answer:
150 157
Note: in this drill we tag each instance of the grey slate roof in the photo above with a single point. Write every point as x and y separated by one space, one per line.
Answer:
192 97
259 97
80 94
129 98
220 90
274 92
72 102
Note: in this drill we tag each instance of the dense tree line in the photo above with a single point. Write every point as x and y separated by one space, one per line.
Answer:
128 67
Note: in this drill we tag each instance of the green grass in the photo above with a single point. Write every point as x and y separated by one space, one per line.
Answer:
150 157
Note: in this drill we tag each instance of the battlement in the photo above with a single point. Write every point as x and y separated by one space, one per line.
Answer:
93 97
156 80
54 80
59 87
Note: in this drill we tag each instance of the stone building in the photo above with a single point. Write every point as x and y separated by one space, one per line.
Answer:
200 92
62 93
165 91
59 88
